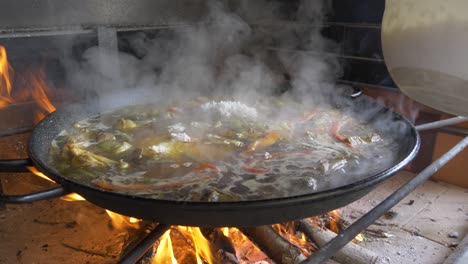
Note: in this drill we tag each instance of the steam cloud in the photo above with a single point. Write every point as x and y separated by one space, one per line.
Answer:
229 52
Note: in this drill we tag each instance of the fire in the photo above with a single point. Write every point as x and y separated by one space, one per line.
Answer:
195 243
202 245
5 83
297 239
36 88
69 197
72 197
120 221
334 216
38 93
335 226
164 253
225 231
40 174
245 249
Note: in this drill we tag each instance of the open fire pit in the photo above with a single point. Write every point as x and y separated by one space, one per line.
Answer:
76 231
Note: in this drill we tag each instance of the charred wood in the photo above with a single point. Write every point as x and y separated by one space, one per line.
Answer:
184 252
136 236
349 254
274 245
221 245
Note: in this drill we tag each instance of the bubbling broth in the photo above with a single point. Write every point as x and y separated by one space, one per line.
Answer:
221 150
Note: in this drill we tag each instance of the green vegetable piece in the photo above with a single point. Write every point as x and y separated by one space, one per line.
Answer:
113 147
84 158
105 137
125 124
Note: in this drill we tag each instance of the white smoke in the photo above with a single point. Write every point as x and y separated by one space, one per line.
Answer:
226 53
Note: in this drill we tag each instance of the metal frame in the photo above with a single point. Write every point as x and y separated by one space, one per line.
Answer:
139 251
345 236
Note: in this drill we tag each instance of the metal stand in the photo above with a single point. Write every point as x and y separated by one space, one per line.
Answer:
345 236
144 245
442 123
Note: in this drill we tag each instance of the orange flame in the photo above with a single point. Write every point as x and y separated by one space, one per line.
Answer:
119 221
297 239
5 83
164 253
36 89
69 197
72 197
334 216
225 231
334 226
201 244
38 173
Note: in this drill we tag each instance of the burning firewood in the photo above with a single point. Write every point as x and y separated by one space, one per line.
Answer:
349 254
221 245
274 245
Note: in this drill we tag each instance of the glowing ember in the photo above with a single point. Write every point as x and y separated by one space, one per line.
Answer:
334 216
164 253
334 225
296 238
35 90
121 221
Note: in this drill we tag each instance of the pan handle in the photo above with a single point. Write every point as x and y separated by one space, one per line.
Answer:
34 197
15 165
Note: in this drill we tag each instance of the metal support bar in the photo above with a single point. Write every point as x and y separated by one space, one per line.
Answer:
144 245
33 197
16 130
345 236
442 123
15 165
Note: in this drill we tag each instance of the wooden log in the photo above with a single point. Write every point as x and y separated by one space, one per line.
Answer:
220 245
349 254
274 245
